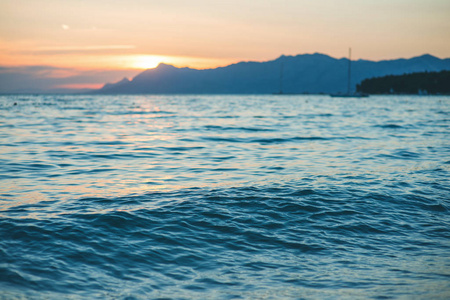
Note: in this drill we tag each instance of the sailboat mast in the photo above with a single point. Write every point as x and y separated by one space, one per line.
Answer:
349 69
281 78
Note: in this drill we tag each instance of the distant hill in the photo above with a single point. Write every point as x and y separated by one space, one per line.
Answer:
429 83
307 73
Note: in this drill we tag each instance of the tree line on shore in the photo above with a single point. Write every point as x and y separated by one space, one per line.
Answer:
422 83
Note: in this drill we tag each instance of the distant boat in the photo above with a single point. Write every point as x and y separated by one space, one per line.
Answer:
281 81
349 94
281 92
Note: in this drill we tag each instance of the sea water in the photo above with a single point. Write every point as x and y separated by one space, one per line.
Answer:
224 197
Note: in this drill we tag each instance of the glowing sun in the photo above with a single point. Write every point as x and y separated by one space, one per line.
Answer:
147 61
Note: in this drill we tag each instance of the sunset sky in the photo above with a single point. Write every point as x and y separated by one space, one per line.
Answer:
89 42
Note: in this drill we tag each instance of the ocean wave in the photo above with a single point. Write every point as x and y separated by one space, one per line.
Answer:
182 197
206 237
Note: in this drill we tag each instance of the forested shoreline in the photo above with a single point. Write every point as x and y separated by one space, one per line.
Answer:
422 83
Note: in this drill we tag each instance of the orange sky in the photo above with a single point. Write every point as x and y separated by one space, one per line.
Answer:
138 34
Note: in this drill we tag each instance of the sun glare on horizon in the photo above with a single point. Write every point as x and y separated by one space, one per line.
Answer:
147 61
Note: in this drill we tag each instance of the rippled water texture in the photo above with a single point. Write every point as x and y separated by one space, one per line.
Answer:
224 197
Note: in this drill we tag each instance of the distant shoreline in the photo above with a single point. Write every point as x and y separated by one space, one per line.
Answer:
417 83
209 94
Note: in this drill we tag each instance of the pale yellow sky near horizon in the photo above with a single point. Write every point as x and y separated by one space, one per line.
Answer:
138 34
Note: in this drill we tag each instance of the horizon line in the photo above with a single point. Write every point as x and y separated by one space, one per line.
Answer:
210 68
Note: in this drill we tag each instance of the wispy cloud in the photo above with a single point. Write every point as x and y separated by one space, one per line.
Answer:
47 78
77 86
76 49
96 47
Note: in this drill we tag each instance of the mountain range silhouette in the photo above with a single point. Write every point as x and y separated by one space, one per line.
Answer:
305 73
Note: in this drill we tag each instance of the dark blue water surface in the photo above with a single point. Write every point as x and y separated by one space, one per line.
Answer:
224 197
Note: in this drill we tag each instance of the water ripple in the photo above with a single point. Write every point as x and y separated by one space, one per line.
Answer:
224 197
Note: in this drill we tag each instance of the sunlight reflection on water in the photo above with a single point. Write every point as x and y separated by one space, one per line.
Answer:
124 142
